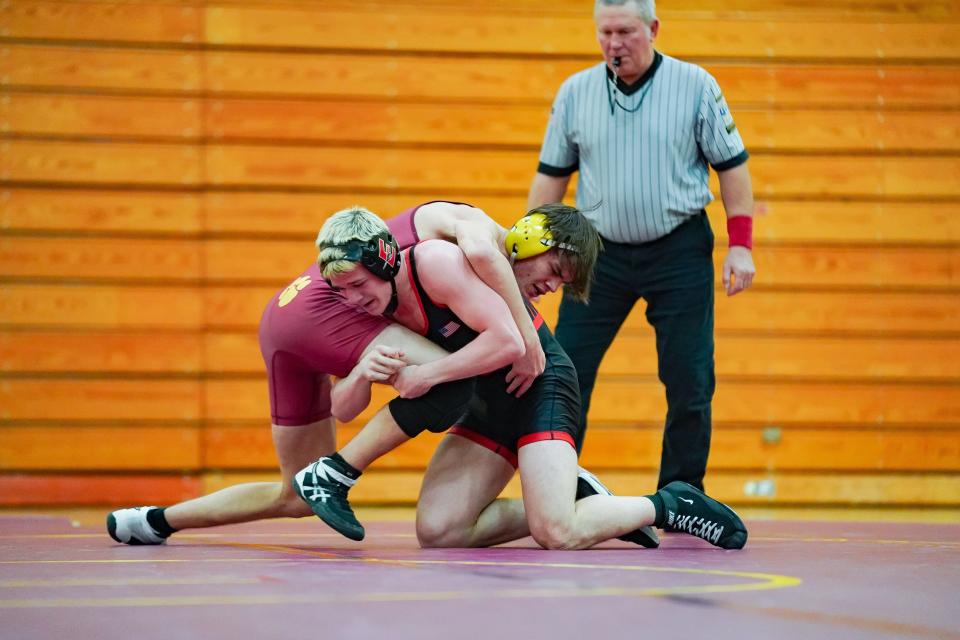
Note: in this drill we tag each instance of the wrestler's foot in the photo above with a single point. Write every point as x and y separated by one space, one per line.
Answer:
324 485
130 526
589 485
688 510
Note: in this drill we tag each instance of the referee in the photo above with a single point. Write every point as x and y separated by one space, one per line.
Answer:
642 128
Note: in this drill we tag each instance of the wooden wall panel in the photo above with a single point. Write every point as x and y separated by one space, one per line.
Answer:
450 31
831 222
640 400
424 76
829 402
765 355
612 448
776 356
882 312
273 261
344 167
435 169
166 166
824 312
444 77
100 307
853 176
233 352
386 487
341 167
858 267
876 130
463 29
784 39
103 352
101 116
739 488
130 22
795 449
819 221
82 448
505 80
786 10
827 450
92 210
377 122
236 307
781 266
120 69
97 489
438 123
785 312
133 259
300 215
810 86
886 489
99 163
98 399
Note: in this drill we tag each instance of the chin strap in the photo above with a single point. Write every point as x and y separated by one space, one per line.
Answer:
392 305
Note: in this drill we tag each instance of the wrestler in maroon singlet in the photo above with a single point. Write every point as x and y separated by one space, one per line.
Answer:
308 332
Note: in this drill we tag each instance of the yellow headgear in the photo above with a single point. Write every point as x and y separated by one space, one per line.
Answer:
530 237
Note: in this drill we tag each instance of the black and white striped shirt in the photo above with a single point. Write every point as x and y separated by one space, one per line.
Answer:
642 150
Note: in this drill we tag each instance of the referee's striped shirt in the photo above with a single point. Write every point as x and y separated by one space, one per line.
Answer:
642 150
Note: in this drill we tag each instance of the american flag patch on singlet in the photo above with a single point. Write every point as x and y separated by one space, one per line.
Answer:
449 329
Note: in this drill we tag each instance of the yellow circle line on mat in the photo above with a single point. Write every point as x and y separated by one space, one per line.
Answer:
769 581
761 581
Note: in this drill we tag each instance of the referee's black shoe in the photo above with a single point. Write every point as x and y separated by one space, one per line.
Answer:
688 510
589 485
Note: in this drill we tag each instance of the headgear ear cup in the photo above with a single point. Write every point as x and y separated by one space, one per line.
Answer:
526 237
381 256
530 237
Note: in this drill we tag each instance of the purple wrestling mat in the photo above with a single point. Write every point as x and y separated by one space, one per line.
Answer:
297 579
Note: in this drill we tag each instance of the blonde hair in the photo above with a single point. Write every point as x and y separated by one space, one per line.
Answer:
352 223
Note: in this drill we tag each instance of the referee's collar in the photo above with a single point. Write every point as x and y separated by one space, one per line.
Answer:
630 89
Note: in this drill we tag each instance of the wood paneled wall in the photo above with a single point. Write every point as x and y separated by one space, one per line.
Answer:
165 166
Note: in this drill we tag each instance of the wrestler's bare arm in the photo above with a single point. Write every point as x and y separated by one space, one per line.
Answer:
449 280
481 240
392 349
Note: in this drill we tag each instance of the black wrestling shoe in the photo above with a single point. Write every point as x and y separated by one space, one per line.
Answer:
688 510
324 487
589 485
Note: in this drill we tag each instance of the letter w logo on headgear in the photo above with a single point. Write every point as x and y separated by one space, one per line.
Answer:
387 253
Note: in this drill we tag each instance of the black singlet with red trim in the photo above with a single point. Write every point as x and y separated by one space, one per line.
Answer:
552 405
444 327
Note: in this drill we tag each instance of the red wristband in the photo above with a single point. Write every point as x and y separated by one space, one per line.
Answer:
740 231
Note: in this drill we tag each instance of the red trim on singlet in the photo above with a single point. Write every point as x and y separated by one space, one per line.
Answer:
537 320
546 435
487 443
416 294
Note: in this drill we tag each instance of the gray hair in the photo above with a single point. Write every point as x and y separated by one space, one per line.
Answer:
646 10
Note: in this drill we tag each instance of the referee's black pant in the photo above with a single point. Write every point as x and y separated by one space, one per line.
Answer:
674 274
